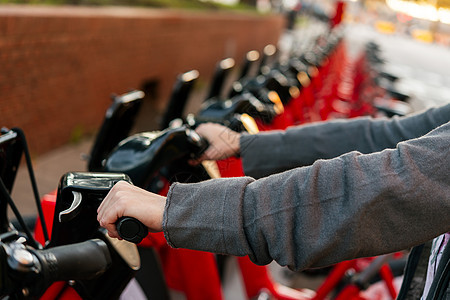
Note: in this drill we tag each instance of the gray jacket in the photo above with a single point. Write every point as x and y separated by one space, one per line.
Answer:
350 206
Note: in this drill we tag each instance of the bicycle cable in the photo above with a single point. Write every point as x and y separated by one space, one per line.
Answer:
33 181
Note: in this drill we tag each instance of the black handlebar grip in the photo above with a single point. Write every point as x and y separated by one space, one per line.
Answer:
130 229
83 260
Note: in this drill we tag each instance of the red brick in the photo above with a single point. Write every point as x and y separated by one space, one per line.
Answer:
60 66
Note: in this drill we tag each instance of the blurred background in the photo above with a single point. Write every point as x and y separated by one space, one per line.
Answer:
63 61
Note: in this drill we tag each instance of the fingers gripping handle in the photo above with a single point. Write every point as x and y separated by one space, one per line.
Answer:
130 229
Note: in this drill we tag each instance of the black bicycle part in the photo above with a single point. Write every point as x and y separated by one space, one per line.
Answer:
268 58
12 146
142 155
33 181
119 120
27 272
150 277
250 60
78 197
130 229
11 151
179 97
223 69
7 198
117 124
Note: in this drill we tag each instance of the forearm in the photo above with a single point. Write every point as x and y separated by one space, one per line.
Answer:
351 206
272 152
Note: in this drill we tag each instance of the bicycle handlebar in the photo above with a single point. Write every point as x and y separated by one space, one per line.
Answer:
131 229
83 260
27 272
140 156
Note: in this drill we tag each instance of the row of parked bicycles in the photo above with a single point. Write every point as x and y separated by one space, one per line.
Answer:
65 254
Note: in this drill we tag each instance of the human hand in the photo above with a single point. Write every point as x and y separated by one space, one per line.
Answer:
223 142
125 199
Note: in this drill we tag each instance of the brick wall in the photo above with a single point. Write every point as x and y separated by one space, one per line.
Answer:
60 65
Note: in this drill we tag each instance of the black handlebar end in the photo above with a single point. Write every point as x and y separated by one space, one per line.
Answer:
130 229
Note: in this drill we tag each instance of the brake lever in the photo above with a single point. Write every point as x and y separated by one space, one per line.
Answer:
73 210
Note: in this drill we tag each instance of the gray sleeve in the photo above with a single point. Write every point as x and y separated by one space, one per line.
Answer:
351 206
276 151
